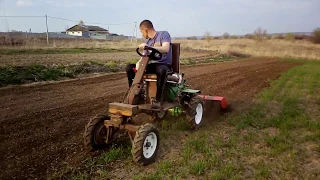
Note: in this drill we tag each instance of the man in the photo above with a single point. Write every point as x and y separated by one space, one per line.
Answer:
161 41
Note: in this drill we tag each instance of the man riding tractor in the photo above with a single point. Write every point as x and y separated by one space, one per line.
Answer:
161 41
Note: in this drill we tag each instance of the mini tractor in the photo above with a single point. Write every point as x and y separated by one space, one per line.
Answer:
145 138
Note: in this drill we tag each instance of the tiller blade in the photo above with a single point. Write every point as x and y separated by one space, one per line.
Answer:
213 106
222 100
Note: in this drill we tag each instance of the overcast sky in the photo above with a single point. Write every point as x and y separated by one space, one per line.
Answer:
179 17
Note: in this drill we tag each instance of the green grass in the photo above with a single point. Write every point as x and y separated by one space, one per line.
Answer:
96 167
112 155
16 75
198 167
32 73
220 58
58 51
226 171
288 108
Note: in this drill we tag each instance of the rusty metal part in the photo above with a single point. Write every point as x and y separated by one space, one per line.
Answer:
223 101
137 81
122 109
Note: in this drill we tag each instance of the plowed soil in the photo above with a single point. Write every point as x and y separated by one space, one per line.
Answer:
41 126
66 59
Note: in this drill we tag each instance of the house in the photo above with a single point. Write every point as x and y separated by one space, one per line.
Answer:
87 31
93 32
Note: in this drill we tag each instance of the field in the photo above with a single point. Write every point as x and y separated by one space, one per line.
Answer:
272 132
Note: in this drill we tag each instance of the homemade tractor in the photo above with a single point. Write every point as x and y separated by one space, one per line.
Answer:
145 138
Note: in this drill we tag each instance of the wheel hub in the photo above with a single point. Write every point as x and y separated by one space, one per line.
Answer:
100 134
150 145
199 112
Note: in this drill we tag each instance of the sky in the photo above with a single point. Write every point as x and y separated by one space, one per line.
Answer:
180 18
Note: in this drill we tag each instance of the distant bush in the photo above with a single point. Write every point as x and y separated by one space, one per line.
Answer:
279 36
248 36
192 38
302 37
316 36
234 37
226 35
290 37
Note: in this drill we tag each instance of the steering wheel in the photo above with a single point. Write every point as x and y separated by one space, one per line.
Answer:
154 55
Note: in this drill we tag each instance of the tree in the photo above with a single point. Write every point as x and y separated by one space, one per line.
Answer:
260 33
316 36
207 36
81 23
226 35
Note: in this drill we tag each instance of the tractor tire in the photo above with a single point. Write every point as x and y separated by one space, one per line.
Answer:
145 145
195 112
95 132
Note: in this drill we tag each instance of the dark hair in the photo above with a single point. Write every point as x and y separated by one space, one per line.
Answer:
146 23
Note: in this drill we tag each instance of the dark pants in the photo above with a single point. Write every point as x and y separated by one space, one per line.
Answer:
155 68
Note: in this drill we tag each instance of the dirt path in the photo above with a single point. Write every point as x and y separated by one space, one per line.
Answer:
41 126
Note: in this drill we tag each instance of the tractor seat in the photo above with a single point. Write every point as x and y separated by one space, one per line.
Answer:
154 77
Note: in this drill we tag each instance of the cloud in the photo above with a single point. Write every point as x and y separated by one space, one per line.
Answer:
23 3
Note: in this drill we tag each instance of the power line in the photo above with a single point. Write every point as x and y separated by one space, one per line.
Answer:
52 17
86 22
21 16
5 21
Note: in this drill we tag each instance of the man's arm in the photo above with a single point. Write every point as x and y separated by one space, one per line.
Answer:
164 48
166 40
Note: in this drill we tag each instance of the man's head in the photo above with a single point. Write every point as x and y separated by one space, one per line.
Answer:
146 28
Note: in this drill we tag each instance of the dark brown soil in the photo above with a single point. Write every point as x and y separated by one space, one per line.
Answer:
41 126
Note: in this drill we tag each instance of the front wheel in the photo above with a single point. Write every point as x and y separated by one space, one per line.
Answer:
196 111
145 144
96 133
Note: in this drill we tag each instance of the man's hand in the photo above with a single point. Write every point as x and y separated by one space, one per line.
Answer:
141 46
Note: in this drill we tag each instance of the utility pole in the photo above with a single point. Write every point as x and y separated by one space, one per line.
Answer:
136 32
135 26
47 30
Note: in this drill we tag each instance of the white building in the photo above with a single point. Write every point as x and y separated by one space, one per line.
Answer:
87 31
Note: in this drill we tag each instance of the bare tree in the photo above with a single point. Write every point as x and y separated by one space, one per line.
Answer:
260 33
207 36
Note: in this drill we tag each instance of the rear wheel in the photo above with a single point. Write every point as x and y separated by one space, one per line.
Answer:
195 113
145 145
96 133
